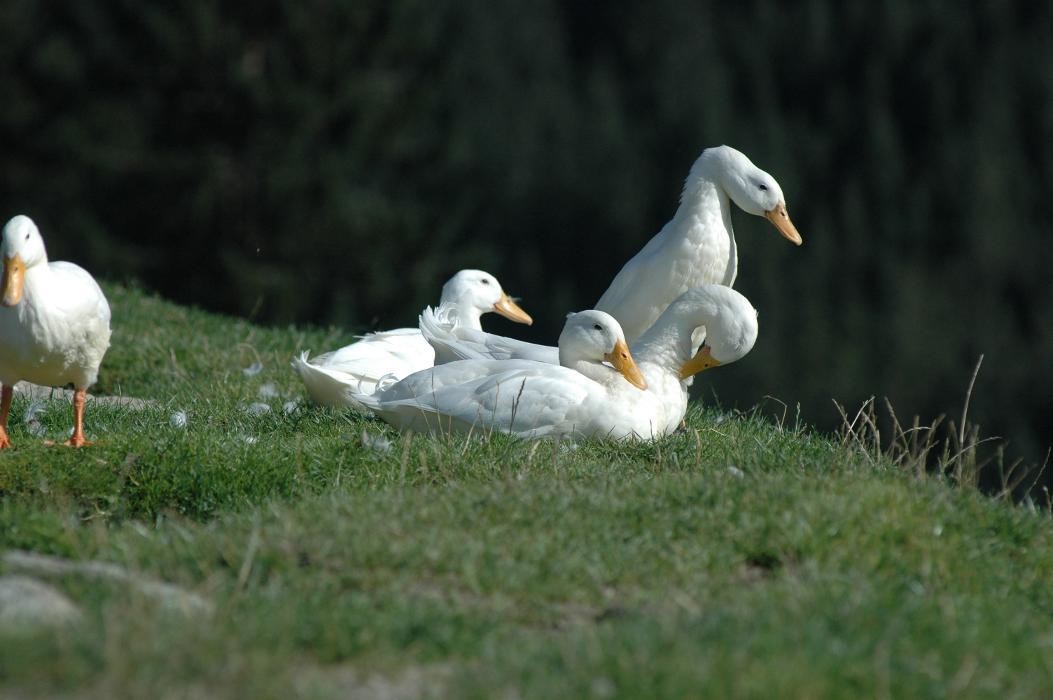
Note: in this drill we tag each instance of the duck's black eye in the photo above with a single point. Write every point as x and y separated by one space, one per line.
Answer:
762 187
27 236
485 281
597 326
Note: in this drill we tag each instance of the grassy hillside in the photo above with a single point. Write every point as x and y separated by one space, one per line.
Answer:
329 556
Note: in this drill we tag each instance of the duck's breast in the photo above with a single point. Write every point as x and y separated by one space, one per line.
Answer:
59 332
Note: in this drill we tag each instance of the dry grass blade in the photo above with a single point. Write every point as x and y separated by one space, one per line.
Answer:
914 449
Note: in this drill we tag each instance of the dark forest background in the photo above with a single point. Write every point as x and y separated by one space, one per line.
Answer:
335 162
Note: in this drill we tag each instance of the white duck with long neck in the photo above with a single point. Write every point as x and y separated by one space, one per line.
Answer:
697 246
666 353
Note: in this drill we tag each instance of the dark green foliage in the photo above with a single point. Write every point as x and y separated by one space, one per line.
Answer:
335 162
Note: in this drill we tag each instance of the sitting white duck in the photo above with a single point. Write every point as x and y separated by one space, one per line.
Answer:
580 397
331 378
665 355
54 323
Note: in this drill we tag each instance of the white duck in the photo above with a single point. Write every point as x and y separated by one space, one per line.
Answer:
697 247
400 352
663 353
54 323
580 397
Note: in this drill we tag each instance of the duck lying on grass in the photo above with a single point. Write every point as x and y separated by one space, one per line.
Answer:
54 323
581 396
641 395
330 378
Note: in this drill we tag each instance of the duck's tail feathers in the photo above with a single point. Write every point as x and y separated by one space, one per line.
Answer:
327 387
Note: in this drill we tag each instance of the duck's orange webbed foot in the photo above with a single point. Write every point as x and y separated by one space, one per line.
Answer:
6 394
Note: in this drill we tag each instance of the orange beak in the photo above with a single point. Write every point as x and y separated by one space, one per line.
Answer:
510 310
623 361
13 282
699 363
781 219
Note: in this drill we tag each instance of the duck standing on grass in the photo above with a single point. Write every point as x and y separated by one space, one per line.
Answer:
54 323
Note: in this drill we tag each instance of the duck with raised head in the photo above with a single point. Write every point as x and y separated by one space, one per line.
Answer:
54 323
696 247
331 378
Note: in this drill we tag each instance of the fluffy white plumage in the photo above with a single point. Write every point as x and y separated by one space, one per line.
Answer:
454 340
391 355
54 322
579 397
697 246
665 353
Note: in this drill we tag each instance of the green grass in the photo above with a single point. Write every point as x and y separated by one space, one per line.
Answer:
741 558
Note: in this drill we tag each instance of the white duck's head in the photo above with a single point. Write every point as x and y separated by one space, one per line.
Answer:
20 249
731 327
593 337
753 190
475 292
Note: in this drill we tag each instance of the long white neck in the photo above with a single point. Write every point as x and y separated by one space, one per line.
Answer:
667 343
696 247
703 222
